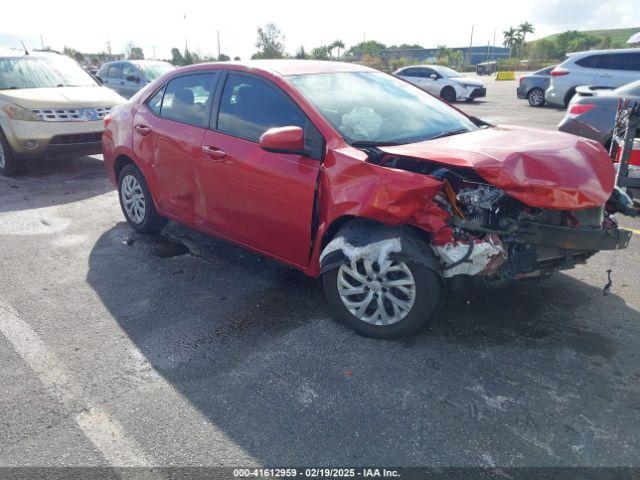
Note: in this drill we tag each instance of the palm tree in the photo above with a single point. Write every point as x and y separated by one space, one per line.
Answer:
523 29
337 44
509 39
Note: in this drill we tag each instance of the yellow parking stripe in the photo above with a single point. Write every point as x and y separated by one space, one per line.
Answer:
637 232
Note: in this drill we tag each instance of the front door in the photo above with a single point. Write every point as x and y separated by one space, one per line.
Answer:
261 199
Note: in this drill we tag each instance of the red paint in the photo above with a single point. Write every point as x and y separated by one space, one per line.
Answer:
283 138
580 109
283 204
559 72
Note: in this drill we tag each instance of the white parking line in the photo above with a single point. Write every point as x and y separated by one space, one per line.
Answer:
102 430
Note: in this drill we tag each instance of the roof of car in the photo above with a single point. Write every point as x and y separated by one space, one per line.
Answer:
294 67
19 52
605 52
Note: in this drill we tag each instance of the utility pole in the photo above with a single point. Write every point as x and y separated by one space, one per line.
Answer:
41 42
488 43
470 43
493 56
154 52
218 33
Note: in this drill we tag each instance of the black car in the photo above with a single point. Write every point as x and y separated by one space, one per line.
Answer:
533 86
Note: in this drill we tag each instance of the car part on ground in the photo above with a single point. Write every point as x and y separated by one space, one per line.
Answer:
49 106
389 203
602 68
443 82
625 150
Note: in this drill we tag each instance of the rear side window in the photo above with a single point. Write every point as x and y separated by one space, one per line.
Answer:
249 107
186 98
409 72
129 72
625 61
114 71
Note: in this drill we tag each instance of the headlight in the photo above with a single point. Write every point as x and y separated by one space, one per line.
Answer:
16 112
466 85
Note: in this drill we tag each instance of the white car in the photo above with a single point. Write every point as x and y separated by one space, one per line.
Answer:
443 82
598 68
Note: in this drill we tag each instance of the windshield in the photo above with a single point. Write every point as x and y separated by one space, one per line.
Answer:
151 71
376 107
448 72
632 88
42 72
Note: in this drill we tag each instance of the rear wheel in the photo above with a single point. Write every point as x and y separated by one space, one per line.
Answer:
136 201
388 301
536 97
448 94
9 164
569 96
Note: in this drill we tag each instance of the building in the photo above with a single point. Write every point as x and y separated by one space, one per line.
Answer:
473 55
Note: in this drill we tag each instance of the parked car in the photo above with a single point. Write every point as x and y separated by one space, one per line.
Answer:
127 77
443 82
533 86
347 173
602 68
592 114
48 106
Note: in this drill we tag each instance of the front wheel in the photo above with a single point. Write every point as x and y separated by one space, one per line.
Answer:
448 94
536 97
136 201
391 301
9 164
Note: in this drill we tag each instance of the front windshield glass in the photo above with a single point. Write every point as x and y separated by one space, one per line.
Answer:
449 72
632 88
379 108
151 71
42 72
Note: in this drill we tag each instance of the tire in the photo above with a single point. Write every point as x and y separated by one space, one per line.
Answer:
427 293
448 94
536 97
9 164
136 201
569 96
469 100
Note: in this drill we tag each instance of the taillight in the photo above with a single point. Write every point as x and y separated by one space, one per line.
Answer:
580 109
559 72
520 79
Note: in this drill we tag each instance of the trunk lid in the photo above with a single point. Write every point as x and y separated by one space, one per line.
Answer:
541 168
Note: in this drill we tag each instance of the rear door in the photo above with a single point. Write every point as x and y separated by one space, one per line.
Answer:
261 199
168 133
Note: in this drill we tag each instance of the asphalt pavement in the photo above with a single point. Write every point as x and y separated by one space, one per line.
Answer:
182 350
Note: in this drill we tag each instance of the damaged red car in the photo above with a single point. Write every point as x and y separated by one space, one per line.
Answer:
349 174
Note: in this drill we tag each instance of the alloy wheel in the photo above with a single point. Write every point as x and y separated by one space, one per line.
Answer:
377 295
536 98
133 199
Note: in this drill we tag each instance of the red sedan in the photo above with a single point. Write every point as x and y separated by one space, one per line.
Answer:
386 192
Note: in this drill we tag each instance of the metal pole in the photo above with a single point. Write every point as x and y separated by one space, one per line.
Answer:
218 33
470 43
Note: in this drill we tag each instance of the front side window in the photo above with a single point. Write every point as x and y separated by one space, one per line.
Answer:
625 61
376 107
42 72
129 71
249 107
185 98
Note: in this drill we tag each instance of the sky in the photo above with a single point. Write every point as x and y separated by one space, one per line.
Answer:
156 27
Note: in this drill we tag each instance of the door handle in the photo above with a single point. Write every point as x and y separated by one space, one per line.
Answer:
142 129
213 152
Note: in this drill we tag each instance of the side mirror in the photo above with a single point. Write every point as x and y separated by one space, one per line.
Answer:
133 78
433 76
99 80
283 140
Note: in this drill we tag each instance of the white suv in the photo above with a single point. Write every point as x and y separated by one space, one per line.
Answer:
599 68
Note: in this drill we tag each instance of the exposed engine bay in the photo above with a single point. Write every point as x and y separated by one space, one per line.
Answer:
500 238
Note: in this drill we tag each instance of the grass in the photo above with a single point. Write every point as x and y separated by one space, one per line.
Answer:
616 34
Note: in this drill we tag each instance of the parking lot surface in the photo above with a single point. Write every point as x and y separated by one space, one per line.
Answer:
178 349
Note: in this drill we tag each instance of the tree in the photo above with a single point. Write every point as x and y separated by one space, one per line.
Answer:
133 52
456 58
73 53
236 59
270 42
320 53
370 47
301 54
373 61
509 39
523 29
442 54
223 58
336 44
176 57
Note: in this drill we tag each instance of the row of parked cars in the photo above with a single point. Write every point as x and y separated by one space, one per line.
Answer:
386 193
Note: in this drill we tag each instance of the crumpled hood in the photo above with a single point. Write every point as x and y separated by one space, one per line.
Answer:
62 97
468 81
541 168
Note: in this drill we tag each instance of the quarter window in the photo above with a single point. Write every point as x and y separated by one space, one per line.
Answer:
249 107
155 102
185 98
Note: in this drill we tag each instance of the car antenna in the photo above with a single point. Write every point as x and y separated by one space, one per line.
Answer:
26 52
